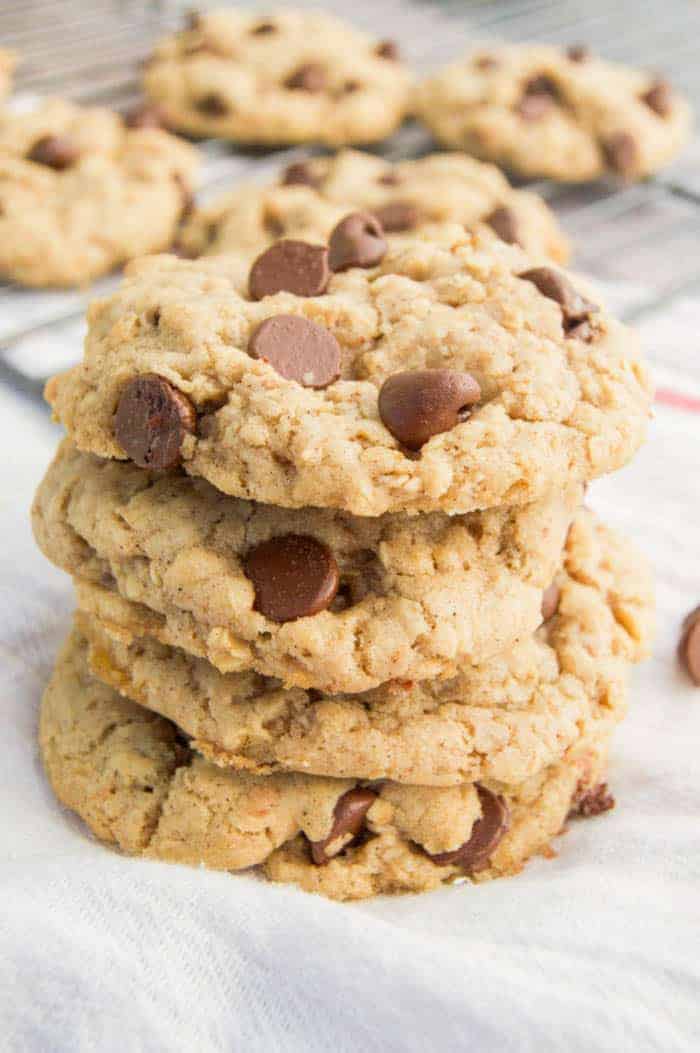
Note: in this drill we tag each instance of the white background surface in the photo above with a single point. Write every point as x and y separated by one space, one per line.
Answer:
594 950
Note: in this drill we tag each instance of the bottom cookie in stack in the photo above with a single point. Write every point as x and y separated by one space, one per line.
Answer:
526 744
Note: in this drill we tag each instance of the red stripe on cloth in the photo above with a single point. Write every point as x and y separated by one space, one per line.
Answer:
667 397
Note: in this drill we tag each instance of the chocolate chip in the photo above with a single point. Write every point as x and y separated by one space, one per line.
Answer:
263 29
299 173
486 62
578 53
357 241
54 151
659 98
290 266
689 647
310 77
550 601
621 153
593 801
389 179
298 349
351 86
397 215
388 49
486 834
212 105
294 576
505 223
348 819
145 115
581 331
193 20
152 420
416 405
555 286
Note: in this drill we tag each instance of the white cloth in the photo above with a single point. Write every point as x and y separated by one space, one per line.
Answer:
596 950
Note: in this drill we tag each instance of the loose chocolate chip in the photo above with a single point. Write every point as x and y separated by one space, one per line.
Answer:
555 286
290 266
145 115
263 29
389 179
689 647
416 405
54 151
578 53
294 576
550 602
348 818
388 49
621 153
592 802
152 420
659 98
397 215
486 834
299 173
309 77
212 105
505 223
298 349
357 241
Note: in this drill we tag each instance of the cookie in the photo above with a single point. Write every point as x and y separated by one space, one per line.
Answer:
8 61
80 193
287 77
131 776
450 374
313 196
505 719
314 597
557 113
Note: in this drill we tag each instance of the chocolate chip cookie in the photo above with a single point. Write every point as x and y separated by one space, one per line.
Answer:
558 113
312 196
287 77
80 192
135 781
318 598
444 371
505 719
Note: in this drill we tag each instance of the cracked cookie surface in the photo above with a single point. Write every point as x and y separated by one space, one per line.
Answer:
505 719
562 394
80 192
313 195
561 114
130 775
287 77
415 596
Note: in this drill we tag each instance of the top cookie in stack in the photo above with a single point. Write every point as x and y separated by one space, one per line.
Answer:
443 371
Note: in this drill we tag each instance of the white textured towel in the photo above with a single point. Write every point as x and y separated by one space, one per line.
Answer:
594 950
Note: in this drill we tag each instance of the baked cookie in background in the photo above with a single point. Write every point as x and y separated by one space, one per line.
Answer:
133 778
506 718
561 114
318 598
80 192
446 371
313 195
8 61
286 77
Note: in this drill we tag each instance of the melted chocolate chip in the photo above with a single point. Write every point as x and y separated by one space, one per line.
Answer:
348 819
388 49
621 153
152 420
290 266
263 29
299 173
55 151
310 77
505 223
396 216
212 105
298 349
593 802
357 241
294 576
659 97
575 308
578 53
416 405
486 834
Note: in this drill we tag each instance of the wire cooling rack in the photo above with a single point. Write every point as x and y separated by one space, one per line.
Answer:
641 242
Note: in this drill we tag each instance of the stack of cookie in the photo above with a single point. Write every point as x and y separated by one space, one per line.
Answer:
341 613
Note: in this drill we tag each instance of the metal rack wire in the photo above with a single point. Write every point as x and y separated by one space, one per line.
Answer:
642 241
